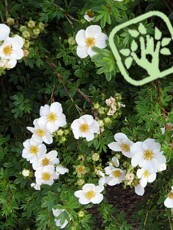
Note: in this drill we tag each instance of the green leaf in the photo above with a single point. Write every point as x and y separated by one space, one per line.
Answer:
165 41
142 29
133 33
165 51
134 46
125 52
128 62
158 34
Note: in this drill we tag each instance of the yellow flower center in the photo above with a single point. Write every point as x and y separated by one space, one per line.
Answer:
40 132
90 42
90 194
80 169
148 155
46 176
52 117
116 173
45 161
170 195
146 174
125 147
33 149
84 128
8 50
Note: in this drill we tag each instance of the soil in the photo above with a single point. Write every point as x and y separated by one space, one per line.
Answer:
125 200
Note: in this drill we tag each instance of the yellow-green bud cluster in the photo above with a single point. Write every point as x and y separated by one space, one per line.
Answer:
31 30
61 136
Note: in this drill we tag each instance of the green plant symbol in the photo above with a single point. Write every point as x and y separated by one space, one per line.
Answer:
149 45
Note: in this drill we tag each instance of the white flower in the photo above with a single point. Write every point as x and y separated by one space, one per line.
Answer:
145 176
90 194
89 38
169 200
33 150
52 117
114 162
40 133
35 186
104 179
46 159
85 127
25 172
139 190
60 170
122 144
115 175
147 155
46 175
60 223
4 32
89 15
11 49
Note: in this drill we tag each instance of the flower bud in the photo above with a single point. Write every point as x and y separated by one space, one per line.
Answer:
25 172
71 41
41 26
10 21
36 31
81 213
31 24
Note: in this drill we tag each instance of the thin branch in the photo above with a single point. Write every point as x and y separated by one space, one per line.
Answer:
6 9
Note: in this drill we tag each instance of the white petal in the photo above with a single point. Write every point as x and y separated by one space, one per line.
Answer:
91 52
168 203
88 186
4 31
97 199
82 51
101 41
93 31
80 38
114 146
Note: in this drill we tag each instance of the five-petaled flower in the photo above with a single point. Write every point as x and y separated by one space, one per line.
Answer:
90 194
89 38
85 127
122 144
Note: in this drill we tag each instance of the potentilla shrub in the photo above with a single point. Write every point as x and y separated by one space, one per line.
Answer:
72 129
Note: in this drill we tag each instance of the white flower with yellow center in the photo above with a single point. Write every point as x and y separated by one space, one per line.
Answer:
40 132
85 127
115 175
46 159
89 38
62 223
45 175
11 49
145 177
89 15
52 117
33 150
147 155
122 144
169 200
90 194
4 31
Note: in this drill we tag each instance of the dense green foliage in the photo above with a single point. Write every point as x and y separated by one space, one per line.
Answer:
51 71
